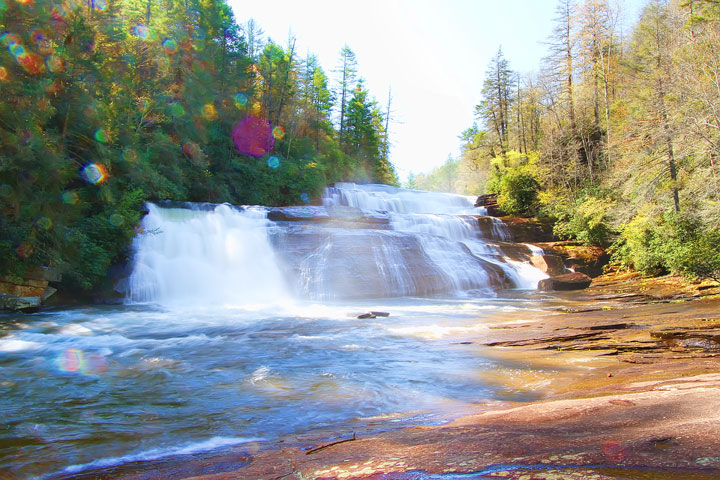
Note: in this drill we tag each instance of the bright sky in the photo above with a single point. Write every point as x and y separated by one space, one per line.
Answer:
433 53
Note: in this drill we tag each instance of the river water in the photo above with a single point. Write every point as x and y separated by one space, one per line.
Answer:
240 329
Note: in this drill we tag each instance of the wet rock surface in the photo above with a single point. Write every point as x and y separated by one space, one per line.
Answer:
648 408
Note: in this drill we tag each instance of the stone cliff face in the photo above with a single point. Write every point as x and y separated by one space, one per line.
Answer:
29 292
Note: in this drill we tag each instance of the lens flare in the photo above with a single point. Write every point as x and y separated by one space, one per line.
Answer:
278 132
59 12
4 74
8 39
177 110
74 360
32 63
70 197
190 149
38 35
44 223
129 155
5 190
55 63
209 112
240 100
273 162
170 46
16 49
253 136
305 198
94 173
24 250
100 5
116 220
102 136
144 32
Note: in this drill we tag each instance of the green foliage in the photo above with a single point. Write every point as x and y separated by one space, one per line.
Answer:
678 244
105 108
586 217
513 179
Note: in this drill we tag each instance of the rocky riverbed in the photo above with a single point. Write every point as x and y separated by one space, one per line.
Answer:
648 408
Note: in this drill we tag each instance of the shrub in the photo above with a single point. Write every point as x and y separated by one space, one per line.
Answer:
513 179
585 218
672 243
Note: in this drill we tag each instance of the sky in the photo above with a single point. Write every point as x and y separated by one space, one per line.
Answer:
432 53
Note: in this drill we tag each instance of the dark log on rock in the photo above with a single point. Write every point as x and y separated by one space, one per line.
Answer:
380 314
363 316
550 264
567 281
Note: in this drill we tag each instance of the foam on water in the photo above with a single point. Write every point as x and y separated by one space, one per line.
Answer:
210 444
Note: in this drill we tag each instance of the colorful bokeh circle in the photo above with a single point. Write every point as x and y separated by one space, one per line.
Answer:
94 173
278 132
116 220
273 162
170 46
253 136
70 197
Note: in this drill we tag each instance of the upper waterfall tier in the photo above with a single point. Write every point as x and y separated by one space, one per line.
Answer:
393 199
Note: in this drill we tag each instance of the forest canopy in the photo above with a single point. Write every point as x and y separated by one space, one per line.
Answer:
616 137
108 104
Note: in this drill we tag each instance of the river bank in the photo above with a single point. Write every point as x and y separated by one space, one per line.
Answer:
647 408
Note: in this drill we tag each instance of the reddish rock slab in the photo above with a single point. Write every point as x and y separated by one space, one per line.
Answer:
567 281
550 264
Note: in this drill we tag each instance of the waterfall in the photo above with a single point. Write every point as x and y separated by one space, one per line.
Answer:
448 226
220 256
365 241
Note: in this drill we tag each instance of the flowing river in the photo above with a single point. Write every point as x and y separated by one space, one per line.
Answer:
240 325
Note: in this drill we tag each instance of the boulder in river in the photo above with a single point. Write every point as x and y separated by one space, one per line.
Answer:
550 264
567 281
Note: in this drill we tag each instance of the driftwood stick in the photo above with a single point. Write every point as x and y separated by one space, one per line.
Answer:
323 447
283 476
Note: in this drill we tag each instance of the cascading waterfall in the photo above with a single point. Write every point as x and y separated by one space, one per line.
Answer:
448 227
365 241
221 256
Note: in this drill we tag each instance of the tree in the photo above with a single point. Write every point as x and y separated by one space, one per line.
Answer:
497 94
347 72
653 73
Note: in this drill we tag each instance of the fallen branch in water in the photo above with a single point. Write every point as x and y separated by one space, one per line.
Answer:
323 447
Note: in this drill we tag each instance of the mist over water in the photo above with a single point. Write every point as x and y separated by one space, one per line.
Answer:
241 325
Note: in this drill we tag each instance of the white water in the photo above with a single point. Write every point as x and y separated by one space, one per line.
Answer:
400 200
222 257
432 243
444 225
224 339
